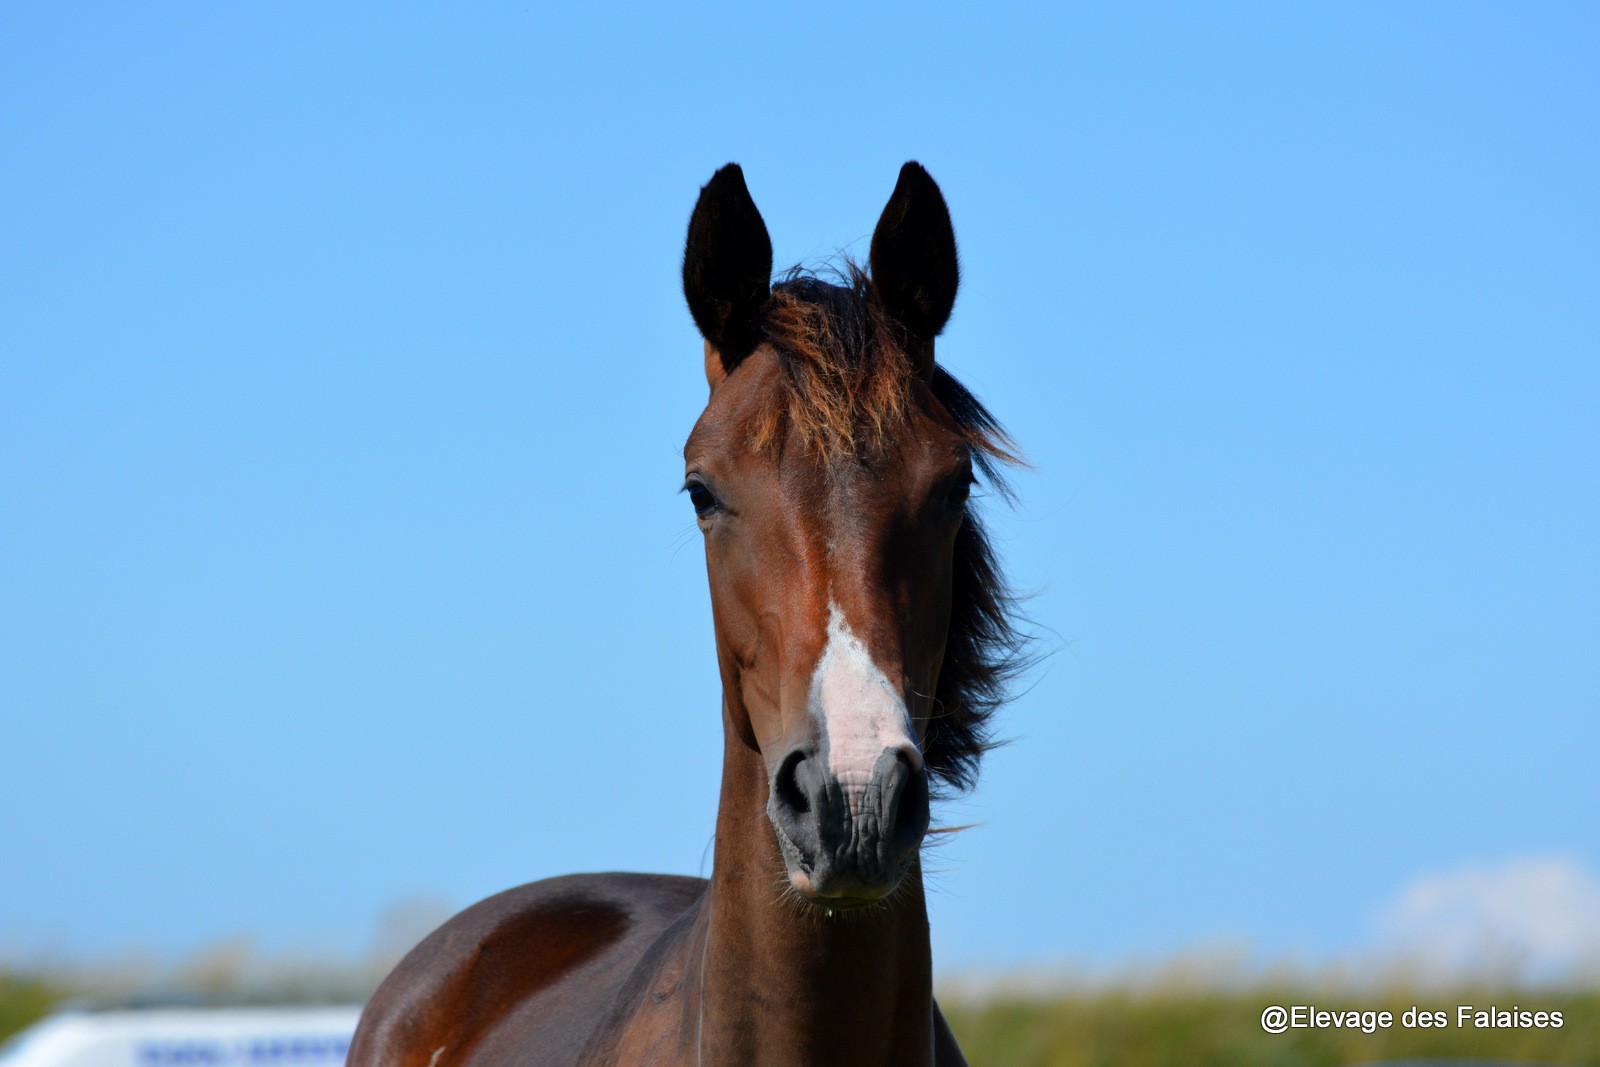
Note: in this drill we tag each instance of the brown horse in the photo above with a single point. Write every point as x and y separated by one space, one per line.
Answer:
864 637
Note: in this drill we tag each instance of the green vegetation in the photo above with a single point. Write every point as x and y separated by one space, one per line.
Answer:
24 999
1199 1028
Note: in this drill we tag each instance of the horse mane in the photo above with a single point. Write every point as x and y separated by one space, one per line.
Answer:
846 385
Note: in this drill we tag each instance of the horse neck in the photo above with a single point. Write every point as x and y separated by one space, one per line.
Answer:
782 982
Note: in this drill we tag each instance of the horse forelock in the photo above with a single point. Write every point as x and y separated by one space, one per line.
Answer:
846 384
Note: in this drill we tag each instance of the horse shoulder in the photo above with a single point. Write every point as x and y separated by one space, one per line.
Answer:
549 955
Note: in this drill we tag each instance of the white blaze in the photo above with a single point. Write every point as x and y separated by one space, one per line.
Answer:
859 711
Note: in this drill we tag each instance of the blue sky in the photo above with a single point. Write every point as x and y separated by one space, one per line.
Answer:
343 376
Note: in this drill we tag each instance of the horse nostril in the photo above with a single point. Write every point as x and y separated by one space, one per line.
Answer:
910 799
786 784
910 754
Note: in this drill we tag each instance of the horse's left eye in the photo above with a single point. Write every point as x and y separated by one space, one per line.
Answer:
959 494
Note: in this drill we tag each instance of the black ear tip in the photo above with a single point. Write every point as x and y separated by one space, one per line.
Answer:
914 174
729 175
915 192
727 192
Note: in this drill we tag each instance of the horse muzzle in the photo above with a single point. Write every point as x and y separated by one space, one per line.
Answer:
848 838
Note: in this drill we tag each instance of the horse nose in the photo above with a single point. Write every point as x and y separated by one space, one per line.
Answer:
845 837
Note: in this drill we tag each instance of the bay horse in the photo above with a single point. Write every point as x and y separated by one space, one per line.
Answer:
864 637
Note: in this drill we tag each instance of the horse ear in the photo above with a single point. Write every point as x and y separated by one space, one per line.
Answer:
727 269
914 269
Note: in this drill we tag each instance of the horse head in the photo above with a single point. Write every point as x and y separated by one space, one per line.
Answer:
855 602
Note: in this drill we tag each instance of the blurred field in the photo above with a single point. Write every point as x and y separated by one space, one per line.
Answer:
24 999
1200 1028
1133 1027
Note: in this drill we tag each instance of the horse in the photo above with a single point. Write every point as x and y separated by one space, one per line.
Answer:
864 638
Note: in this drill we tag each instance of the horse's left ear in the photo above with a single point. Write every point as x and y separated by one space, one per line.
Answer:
914 269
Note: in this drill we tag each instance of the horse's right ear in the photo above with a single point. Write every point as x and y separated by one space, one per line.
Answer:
727 270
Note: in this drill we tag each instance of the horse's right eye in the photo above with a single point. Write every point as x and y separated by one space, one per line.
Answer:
702 499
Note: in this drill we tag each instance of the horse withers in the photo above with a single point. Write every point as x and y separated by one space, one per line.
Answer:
863 636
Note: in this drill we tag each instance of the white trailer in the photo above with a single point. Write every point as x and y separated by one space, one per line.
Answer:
191 1037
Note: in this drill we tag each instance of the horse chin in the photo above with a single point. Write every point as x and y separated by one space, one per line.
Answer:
859 898
837 891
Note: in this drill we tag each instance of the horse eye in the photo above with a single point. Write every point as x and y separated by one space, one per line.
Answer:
960 493
704 503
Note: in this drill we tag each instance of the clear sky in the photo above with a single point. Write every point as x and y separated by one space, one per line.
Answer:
344 373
